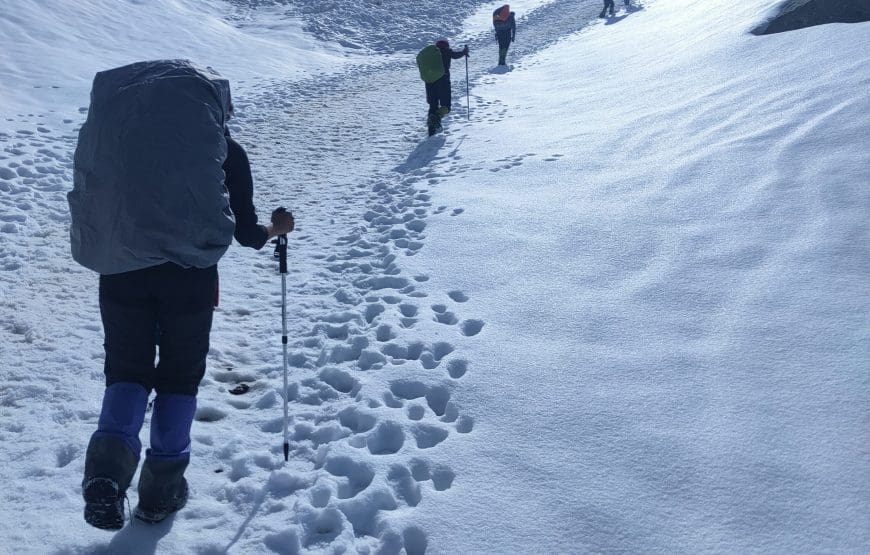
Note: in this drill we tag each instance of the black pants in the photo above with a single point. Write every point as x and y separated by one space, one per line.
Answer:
607 4
438 94
166 306
504 42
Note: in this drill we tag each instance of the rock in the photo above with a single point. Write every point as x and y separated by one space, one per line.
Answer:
798 14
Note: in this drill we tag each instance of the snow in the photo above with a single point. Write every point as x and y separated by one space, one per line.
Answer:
623 307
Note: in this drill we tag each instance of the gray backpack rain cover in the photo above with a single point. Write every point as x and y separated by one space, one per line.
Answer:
148 184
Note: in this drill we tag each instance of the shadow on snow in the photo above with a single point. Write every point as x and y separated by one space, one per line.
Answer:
425 152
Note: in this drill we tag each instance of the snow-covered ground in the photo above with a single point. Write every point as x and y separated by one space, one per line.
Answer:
625 306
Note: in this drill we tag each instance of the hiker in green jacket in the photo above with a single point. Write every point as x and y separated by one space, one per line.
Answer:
438 94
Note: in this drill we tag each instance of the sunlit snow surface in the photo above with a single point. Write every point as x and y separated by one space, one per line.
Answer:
623 305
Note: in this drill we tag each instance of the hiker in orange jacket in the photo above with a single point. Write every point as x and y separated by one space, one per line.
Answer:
504 22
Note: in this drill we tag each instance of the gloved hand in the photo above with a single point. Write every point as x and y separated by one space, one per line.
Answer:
465 50
282 221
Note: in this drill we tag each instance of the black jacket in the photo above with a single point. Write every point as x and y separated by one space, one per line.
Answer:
448 54
510 32
240 186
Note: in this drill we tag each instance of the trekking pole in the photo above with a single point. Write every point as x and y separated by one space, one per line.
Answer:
467 97
281 255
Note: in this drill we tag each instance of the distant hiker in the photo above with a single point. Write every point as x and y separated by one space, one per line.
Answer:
505 24
434 65
153 210
607 4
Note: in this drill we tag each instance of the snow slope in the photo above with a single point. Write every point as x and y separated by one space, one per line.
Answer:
675 286
624 307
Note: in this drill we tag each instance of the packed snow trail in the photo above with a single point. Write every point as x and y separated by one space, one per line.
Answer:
375 355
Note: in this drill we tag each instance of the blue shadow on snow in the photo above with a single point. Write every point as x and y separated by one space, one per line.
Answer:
613 19
422 155
136 538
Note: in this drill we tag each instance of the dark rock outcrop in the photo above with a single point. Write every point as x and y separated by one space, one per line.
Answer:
797 14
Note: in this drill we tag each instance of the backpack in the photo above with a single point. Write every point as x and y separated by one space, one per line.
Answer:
500 18
148 183
430 63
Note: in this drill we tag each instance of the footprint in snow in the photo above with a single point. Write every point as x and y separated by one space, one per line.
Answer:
207 413
471 327
457 368
457 296
357 476
406 479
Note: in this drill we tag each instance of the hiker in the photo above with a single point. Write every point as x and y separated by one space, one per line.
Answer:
438 94
607 4
153 219
505 24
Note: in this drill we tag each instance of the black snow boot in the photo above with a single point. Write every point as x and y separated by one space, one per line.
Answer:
433 122
162 488
109 468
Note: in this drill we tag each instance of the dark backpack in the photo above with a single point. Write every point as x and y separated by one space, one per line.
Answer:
430 63
148 183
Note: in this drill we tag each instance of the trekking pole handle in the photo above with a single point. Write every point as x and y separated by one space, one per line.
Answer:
281 250
281 246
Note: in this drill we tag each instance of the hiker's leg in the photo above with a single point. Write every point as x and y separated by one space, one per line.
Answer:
162 486
129 316
432 97
113 450
129 322
129 319
445 92
186 307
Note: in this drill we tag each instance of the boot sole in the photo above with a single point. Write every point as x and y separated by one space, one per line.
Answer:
154 517
103 507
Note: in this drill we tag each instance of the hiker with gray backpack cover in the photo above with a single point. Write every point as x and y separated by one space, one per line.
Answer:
160 190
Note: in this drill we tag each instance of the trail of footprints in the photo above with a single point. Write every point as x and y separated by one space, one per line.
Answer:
411 416
373 397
